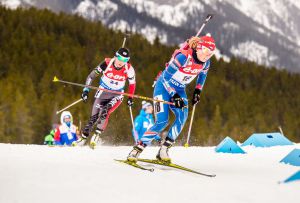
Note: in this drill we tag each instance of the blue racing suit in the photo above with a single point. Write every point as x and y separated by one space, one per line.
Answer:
181 70
141 124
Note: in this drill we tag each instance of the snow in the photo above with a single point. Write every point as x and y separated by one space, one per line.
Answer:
150 32
12 4
171 14
32 173
103 10
273 15
254 52
231 26
120 25
219 55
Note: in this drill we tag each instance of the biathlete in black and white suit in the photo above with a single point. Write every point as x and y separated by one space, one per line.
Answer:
115 71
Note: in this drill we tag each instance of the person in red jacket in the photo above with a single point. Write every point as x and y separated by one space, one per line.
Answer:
115 72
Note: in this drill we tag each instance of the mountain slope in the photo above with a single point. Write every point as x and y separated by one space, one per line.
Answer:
274 41
266 32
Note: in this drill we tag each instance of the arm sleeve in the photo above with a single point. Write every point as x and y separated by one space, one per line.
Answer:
100 68
131 80
202 76
171 69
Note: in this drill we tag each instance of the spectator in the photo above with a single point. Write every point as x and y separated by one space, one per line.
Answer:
65 134
49 139
143 121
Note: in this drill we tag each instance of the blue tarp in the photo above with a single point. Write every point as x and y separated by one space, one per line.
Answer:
267 140
292 158
229 146
294 177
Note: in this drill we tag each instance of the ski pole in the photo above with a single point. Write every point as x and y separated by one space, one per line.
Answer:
125 38
132 122
208 17
130 109
77 101
55 79
190 127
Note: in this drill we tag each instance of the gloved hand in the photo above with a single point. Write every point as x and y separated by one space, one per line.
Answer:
178 101
85 95
129 101
196 96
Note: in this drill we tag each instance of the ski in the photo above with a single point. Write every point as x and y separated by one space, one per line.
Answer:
154 161
135 165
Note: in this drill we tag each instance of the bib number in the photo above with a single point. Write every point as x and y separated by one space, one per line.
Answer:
114 82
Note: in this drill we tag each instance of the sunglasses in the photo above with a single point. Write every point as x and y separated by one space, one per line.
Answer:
206 51
122 58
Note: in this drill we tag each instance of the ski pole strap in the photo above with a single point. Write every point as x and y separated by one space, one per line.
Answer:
112 91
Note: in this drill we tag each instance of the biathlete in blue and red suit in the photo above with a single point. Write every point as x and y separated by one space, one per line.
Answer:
115 72
187 63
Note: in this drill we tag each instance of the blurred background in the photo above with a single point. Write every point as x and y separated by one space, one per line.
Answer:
252 86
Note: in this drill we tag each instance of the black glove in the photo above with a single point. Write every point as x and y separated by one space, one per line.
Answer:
178 101
129 101
85 96
196 96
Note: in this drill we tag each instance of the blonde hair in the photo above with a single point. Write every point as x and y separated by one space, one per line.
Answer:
193 42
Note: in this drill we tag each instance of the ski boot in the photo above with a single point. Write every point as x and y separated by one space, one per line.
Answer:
134 154
95 139
80 142
162 154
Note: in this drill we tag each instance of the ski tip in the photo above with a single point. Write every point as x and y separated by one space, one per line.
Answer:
55 79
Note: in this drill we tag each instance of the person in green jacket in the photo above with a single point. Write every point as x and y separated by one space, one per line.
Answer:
49 139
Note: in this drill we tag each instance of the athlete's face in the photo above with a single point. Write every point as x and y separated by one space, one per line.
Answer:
118 63
204 54
149 109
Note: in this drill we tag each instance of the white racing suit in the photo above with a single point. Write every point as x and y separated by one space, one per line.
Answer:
106 102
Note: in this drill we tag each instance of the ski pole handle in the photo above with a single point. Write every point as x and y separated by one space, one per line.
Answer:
57 112
208 17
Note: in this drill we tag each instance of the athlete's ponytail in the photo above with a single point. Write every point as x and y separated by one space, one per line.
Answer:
193 42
